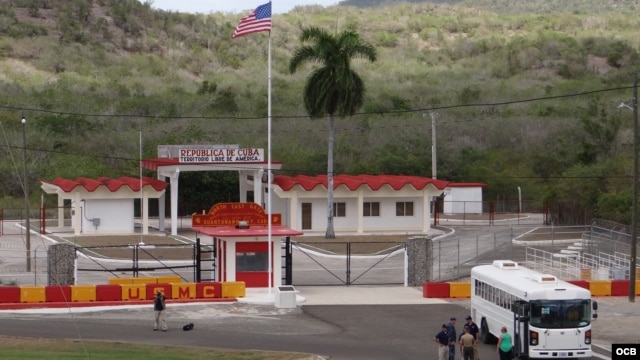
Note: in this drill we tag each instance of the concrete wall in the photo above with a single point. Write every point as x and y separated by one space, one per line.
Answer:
463 200
60 266
420 260
107 216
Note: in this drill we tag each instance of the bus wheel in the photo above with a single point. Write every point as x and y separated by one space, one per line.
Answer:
484 332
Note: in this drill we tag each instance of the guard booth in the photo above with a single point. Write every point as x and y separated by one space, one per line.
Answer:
245 248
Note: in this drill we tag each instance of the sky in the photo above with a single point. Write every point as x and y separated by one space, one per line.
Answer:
232 6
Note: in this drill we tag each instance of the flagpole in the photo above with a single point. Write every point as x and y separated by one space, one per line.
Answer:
260 20
269 240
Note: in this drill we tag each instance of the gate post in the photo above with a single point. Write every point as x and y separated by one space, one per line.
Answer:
198 261
420 260
288 262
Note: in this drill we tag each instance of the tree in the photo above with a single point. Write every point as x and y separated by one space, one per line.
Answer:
333 88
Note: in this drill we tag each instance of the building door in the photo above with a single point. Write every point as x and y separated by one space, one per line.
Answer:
306 216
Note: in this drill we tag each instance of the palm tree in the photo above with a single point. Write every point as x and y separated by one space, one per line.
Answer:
333 88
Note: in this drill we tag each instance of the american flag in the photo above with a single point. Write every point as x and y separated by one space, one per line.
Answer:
258 20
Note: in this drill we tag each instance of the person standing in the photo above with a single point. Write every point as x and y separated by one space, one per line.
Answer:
451 330
442 339
505 346
475 332
159 306
466 344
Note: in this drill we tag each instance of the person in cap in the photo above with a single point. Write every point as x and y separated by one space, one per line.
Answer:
159 307
475 332
442 339
453 340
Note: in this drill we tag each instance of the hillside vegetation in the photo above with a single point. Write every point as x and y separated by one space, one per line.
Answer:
523 94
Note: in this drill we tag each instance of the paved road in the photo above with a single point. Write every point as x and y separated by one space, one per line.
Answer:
334 331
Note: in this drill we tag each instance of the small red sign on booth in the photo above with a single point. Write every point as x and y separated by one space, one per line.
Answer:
230 214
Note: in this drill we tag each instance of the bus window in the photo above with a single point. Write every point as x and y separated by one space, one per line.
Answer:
558 314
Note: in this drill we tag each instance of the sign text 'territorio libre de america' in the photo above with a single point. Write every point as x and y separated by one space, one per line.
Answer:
221 155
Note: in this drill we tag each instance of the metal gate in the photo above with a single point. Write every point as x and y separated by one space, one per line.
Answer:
191 262
344 263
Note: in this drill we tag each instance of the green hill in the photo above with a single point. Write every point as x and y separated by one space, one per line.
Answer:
525 95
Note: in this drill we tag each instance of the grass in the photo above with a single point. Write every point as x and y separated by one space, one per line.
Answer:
26 348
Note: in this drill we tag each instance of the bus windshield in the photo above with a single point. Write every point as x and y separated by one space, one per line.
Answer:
559 314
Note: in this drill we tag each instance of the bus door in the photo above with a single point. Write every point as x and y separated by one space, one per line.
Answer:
520 328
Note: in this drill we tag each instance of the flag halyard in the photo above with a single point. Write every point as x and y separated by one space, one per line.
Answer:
258 20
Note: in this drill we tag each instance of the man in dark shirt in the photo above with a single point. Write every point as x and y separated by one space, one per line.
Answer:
442 338
453 340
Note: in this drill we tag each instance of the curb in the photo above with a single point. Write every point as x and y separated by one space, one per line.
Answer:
601 350
79 304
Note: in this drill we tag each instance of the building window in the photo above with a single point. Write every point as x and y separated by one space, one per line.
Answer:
371 209
252 261
339 209
404 208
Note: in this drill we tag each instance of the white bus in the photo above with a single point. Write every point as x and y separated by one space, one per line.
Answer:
546 317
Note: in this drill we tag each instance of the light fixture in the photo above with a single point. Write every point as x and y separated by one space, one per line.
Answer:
242 224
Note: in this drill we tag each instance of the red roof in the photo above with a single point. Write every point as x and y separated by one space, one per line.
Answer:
252 231
112 185
353 182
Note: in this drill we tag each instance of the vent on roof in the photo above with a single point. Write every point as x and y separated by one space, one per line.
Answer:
545 279
505 264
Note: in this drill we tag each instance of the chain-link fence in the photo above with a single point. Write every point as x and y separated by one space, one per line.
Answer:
453 257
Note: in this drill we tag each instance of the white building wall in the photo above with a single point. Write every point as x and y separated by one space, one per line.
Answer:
349 222
388 221
318 214
280 206
461 200
115 216
386 196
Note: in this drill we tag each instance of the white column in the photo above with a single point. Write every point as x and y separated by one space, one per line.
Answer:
77 215
161 206
230 260
426 211
242 181
174 202
60 211
359 212
295 222
257 187
277 262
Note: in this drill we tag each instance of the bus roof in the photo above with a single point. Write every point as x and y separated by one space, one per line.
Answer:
526 283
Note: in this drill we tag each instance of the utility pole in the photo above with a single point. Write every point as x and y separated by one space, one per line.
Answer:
634 211
434 158
25 184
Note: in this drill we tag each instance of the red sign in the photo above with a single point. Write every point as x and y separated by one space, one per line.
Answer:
230 214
